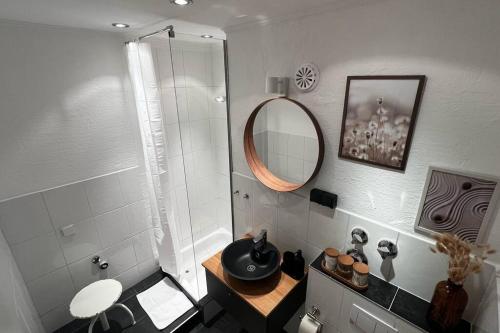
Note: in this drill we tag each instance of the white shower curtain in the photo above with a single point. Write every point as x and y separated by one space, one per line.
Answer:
154 145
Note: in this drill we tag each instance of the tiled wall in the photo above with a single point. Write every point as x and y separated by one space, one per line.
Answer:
293 222
292 157
18 312
111 218
198 152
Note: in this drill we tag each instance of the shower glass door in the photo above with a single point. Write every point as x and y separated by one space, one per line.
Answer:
198 68
181 92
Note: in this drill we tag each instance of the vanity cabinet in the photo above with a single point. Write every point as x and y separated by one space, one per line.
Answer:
261 306
382 308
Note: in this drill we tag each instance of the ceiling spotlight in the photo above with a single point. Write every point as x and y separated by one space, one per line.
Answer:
120 25
207 36
182 2
220 99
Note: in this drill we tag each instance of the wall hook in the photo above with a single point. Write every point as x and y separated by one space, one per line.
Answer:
387 249
359 236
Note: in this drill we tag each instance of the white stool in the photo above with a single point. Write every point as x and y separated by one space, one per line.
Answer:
95 299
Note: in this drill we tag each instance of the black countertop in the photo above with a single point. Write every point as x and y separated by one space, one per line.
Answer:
399 302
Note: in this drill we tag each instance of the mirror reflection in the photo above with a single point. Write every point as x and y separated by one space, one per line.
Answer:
286 141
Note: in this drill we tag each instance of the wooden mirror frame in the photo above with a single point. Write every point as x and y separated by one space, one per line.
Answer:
259 169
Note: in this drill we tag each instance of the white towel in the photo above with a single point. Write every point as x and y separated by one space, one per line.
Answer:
164 303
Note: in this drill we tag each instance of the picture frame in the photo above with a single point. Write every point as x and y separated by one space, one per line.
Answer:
461 203
379 118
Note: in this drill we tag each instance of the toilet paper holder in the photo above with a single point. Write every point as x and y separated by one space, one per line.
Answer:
313 315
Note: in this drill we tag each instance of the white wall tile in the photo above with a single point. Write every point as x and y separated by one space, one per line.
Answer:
146 268
56 318
187 142
327 227
295 169
222 162
164 64
52 290
104 194
129 277
376 232
296 146
178 66
242 222
143 246
169 105
139 216
311 149
196 69
476 286
175 171
293 215
416 268
217 110
182 210
204 163
200 134
310 253
224 215
84 272
83 243
113 227
242 185
281 143
287 242
24 218
174 146
219 133
67 205
223 187
197 102
121 258
265 210
133 185
182 107
38 256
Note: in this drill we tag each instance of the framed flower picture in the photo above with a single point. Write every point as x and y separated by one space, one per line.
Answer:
379 118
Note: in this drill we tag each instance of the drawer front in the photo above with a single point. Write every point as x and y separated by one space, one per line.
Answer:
249 318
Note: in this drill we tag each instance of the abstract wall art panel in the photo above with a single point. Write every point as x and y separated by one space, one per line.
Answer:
379 117
457 203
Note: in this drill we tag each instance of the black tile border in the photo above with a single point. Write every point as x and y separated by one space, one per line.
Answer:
184 323
397 301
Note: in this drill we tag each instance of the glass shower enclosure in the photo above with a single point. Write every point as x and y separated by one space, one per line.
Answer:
186 120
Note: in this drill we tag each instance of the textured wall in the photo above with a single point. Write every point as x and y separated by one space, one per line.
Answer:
449 41
65 109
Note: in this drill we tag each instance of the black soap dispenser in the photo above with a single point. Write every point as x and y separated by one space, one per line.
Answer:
298 265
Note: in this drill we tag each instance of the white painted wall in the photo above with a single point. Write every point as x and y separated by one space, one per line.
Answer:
452 42
65 107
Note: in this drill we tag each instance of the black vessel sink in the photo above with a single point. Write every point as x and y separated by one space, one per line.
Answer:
239 262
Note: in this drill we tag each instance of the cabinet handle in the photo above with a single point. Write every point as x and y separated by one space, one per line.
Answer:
246 196
237 192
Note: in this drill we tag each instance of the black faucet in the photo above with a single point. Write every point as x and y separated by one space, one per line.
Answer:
260 245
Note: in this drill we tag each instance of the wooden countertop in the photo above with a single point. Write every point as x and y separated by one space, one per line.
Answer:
264 295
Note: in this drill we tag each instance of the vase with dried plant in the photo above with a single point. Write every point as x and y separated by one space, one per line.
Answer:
450 298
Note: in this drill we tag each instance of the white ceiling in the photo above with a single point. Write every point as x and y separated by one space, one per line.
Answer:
99 14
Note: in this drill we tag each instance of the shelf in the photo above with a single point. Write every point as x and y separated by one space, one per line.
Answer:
399 302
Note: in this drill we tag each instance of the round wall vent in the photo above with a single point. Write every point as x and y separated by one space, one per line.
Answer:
307 77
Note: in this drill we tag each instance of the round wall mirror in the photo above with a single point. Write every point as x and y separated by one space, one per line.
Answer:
283 144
